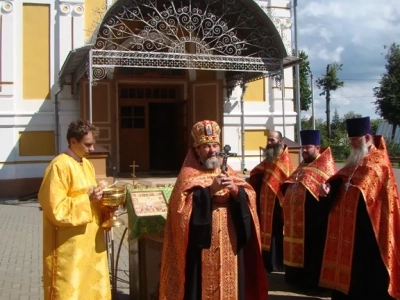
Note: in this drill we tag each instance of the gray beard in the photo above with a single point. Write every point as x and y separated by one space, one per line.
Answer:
272 152
357 154
211 163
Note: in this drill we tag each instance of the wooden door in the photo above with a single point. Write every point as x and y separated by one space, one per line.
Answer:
206 101
133 136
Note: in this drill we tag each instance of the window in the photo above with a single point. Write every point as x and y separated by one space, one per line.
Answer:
133 117
148 93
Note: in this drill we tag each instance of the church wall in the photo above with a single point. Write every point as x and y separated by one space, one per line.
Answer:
36 37
263 105
31 57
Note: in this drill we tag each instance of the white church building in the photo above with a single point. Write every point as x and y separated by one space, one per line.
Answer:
143 71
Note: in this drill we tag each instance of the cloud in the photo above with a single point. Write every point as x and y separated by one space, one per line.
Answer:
354 96
352 33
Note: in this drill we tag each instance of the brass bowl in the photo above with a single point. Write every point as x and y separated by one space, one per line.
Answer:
114 196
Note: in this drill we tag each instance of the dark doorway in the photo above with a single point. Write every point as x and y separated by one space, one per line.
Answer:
163 135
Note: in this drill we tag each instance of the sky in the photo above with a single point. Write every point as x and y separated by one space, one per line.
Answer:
352 33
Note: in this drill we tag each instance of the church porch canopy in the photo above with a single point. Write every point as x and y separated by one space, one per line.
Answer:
235 36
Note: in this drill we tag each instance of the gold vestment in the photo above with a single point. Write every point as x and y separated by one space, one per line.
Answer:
75 263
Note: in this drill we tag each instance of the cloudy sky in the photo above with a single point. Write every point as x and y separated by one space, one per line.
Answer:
353 33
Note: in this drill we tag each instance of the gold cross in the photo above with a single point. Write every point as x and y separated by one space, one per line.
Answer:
133 166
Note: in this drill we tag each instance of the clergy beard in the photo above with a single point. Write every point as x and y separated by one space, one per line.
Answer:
211 163
272 152
357 154
310 159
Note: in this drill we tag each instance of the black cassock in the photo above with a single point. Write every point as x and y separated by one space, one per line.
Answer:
314 242
369 276
200 231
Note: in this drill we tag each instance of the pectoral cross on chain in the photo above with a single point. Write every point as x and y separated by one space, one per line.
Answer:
134 166
225 155
299 176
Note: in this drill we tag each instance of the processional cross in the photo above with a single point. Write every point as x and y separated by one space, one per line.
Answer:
225 155
134 166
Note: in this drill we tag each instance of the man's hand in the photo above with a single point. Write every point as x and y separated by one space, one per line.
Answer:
95 193
324 189
223 181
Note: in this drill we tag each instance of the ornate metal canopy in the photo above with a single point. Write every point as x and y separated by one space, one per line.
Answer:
235 36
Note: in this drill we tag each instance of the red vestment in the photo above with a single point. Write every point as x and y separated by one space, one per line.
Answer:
273 173
219 263
307 177
374 180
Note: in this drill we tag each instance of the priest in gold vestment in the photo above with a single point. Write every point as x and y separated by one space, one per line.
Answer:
211 244
74 251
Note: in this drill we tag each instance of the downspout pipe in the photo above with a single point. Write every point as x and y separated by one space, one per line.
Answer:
243 163
297 71
56 116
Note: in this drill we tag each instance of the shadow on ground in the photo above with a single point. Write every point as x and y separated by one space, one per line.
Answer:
279 290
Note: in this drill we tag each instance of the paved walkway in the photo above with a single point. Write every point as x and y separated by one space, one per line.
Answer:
21 254
21 257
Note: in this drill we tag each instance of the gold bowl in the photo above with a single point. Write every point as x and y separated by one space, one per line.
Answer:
113 196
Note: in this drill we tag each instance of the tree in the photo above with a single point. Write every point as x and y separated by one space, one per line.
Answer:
305 90
375 124
336 121
329 82
388 93
351 115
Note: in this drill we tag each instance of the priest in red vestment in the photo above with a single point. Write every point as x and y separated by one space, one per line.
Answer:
303 227
211 244
362 248
266 179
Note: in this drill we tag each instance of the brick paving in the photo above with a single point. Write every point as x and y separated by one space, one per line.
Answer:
20 250
21 256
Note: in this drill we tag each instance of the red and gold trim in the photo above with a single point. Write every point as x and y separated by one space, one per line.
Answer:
339 244
294 216
307 177
374 178
275 173
206 132
219 263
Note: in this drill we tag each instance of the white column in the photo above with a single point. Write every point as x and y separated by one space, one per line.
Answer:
64 20
78 33
7 48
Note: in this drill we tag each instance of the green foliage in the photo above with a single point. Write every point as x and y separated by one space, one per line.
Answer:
339 141
329 82
374 125
393 148
351 115
336 121
339 144
388 93
305 90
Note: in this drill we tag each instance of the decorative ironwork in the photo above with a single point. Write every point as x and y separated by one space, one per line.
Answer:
277 80
114 58
247 68
214 27
221 35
